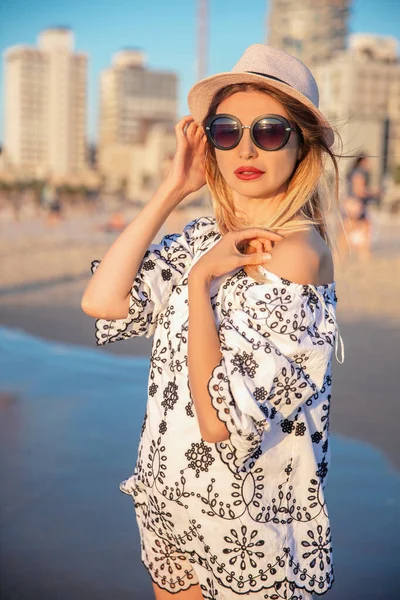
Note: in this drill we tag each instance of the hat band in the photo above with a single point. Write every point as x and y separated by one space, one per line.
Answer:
269 77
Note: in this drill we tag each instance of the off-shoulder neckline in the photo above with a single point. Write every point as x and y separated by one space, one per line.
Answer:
283 281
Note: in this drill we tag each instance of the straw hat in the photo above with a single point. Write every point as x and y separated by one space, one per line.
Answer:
261 63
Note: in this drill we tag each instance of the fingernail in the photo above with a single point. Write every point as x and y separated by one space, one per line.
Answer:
267 256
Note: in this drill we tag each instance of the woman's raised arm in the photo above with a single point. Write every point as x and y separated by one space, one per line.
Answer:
107 296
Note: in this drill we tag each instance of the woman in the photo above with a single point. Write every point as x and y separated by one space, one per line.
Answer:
357 224
234 451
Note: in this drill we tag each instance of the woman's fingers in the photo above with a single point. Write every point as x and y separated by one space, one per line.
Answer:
191 128
258 258
266 246
260 246
260 239
263 245
261 249
183 124
200 132
188 129
253 246
255 232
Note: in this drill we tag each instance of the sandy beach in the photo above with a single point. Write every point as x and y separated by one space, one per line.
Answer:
43 275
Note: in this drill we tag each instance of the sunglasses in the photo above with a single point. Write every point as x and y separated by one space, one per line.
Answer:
268 132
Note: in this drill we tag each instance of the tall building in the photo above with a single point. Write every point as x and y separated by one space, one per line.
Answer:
45 105
360 95
311 30
131 93
134 102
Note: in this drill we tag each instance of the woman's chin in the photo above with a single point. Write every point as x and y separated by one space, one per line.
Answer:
254 193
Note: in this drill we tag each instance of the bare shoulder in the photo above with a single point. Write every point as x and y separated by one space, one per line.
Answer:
302 257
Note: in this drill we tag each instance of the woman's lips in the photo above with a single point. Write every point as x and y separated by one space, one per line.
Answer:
249 175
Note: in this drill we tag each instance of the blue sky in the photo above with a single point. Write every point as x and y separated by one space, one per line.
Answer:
165 30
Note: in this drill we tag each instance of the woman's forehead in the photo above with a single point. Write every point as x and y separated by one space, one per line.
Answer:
248 105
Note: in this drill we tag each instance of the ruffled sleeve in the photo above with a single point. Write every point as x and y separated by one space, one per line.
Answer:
161 269
275 357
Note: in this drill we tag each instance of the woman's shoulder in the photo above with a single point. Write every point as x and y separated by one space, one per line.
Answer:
303 257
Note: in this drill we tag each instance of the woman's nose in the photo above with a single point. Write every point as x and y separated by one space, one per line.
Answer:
246 147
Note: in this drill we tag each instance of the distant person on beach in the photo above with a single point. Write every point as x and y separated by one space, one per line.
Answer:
234 451
115 223
51 203
357 226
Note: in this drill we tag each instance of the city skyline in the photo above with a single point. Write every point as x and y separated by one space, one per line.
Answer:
240 29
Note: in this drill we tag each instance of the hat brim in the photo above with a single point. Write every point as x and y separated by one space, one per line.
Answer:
201 94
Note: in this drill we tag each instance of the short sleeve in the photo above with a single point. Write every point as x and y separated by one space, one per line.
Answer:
257 386
161 269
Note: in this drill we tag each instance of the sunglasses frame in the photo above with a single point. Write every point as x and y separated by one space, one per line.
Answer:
287 124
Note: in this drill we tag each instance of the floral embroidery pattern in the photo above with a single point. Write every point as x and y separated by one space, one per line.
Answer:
320 548
199 457
243 547
170 395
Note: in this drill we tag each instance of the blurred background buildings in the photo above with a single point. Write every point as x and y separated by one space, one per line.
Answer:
358 76
138 112
46 90
45 106
360 94
311 30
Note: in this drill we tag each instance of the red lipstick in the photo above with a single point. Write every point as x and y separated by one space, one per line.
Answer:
248 173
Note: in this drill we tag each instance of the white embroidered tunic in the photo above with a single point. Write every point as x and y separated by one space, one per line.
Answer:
249 511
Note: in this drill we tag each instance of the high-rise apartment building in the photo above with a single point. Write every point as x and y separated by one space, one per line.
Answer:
360 95
129 94
133 100
45 105
311 30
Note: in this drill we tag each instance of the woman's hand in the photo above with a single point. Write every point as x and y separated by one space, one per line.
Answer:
187 171
225 256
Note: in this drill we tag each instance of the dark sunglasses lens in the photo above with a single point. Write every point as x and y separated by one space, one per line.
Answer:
224 132
269 133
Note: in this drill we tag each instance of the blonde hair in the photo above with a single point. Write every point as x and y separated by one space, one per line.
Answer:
308 192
